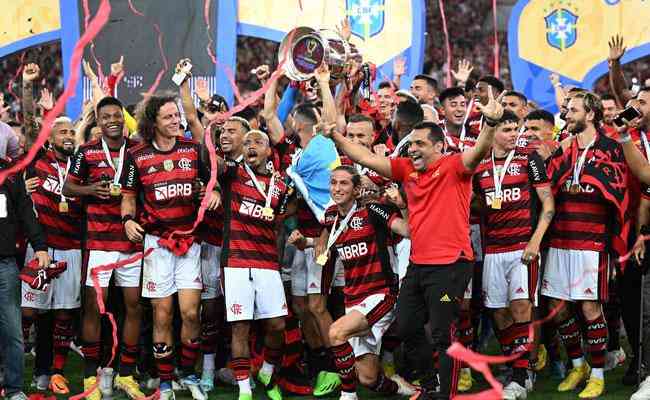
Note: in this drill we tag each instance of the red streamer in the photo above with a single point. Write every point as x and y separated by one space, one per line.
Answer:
496 39
165 67
447 45
101 18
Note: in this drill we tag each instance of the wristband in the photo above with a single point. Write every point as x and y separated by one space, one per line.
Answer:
126 218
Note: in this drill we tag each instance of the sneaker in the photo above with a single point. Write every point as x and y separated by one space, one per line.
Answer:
193 384
542 358
595 387
558 369
58 384
348 396
465 380
614 359
90 383
403 387
166 392
514 391
207 380
576 376
272 389
326 383
76 348
226 376
643 393
41 383
129 386
18 396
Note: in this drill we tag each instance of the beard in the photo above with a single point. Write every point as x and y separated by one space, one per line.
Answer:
66 152
578 127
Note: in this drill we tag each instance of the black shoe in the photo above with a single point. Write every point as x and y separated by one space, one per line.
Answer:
631 377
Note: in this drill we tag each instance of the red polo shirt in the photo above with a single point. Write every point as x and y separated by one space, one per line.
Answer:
438 202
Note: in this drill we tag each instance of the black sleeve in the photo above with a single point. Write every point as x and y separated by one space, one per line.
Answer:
381 214
536 170
130 176
79 167
25 214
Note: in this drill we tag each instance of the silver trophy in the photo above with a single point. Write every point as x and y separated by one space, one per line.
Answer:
307 48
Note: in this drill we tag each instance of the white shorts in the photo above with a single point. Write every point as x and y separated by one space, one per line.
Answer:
253 293
379 310
505 278
164 273
211 271
321 281
403 251
475 237
303 263
286 266
467 295
126 276
64 292
576 275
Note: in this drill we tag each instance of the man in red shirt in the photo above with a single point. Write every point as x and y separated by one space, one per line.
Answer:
438 189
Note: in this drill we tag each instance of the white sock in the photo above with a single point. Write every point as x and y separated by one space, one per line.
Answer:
267 369
577 362
208 362
245 386
598 373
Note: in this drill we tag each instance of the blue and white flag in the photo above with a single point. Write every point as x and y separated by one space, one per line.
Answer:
311 169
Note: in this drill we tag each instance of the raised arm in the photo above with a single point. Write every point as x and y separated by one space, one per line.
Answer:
191 116
360 154
269 113
30 74
492 112
635 160
329 106
616 77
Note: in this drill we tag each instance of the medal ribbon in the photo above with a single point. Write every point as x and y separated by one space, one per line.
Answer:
118 170
62 175
577 168
335 233
499 175
267 196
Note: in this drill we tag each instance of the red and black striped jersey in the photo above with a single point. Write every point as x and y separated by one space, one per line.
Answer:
169 181
510 227
249 236
283 152
365 249
104 228
473 127
211 228
62 227
581 219
308 224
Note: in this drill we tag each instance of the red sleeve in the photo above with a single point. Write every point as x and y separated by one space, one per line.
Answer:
111 84
400 168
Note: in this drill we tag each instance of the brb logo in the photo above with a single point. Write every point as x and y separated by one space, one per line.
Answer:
168 192
353 251
507 195
254 210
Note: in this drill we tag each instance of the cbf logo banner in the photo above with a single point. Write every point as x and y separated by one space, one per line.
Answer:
570 37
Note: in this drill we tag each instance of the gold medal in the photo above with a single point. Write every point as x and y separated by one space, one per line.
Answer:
575 188
267 212
322 259
63 207
496 203
168 165
116 189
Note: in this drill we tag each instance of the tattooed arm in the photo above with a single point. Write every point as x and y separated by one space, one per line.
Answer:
30 74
